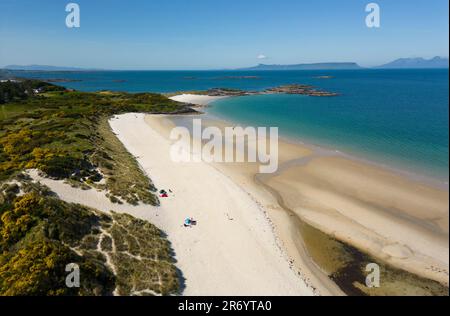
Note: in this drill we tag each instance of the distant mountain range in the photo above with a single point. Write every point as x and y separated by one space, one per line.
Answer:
436 62
316 66
401 63
44 68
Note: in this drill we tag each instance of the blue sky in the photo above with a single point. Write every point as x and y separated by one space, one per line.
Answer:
215 34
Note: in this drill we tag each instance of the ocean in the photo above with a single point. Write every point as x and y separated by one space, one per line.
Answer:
394 117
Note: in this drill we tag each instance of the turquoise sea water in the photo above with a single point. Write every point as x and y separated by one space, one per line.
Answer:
396 117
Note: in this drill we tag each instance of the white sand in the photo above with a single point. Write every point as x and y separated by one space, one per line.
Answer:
397 219
231 251
196 99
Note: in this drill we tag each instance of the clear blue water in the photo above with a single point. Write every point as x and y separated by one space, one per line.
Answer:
396 117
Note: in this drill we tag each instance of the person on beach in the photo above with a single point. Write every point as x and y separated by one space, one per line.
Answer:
189 221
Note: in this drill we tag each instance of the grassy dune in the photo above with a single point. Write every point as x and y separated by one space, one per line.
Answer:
41 234
65 135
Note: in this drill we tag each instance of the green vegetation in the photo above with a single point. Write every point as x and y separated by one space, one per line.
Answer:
65 135
141 258
124 178
13 91
42 234
38 233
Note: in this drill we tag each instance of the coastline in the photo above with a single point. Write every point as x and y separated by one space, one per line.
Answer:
427 175
196 99
309 228
357 216
211 255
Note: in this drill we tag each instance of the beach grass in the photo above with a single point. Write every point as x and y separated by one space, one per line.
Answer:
66 136
124 178
116 253
142 258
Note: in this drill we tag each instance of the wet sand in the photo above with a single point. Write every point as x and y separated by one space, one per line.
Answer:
360 211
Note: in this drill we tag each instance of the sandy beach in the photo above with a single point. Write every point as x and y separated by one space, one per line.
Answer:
238 150
196 99
398 221
231 251
247 239
395 218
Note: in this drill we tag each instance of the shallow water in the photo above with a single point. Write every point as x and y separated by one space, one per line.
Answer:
394 117
400 121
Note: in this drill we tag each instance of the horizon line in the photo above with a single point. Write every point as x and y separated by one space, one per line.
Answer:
82 68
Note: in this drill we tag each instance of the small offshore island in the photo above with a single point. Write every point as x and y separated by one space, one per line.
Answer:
300 89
